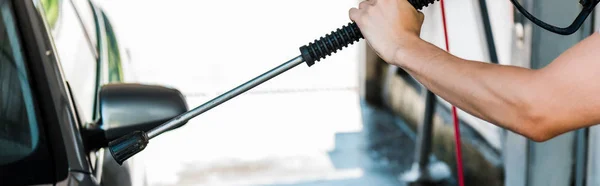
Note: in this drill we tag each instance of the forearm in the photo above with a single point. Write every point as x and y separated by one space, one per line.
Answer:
495 93
538 104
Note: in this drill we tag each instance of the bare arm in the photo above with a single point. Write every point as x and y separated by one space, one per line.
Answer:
538 104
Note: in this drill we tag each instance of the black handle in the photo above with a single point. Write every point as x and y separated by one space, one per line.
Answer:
124 147
419 4
342 37
324 46
588 7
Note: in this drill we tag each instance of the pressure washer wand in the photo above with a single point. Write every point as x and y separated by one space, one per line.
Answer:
129 145
309 54
224 97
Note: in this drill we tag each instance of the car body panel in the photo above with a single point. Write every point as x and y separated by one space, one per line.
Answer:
55 56
58 91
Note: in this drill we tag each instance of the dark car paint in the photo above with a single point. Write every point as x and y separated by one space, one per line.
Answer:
68 163
49 80
36 43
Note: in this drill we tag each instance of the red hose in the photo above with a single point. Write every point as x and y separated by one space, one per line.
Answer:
459 163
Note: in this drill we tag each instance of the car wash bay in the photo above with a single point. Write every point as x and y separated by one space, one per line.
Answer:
305 127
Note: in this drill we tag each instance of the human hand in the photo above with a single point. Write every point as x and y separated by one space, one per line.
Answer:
389 26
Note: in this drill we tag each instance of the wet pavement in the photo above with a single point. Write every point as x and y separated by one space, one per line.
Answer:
375 155
381 150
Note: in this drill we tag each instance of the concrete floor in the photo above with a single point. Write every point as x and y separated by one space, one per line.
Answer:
375 155
292 155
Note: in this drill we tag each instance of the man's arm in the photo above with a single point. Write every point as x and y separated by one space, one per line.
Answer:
538 104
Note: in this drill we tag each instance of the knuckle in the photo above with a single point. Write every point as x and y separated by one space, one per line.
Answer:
363 4
354 13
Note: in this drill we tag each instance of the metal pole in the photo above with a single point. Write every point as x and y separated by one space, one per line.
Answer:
580 156
489 34
425 170
224 97
426 132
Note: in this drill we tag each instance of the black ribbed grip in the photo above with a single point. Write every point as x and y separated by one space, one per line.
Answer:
331 43
419 4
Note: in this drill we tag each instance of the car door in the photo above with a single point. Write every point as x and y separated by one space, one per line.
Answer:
75 31
34 105
91 56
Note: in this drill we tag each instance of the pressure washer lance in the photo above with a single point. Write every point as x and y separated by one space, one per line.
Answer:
129 145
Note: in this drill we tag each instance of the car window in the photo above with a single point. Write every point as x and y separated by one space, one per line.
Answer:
78 60
19 133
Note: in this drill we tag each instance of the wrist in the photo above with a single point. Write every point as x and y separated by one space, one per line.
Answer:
405 50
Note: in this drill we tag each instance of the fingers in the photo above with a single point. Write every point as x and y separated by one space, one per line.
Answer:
364 4
354 14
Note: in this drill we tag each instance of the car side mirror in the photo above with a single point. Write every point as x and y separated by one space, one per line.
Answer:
125 108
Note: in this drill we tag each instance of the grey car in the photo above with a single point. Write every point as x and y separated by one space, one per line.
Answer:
63 96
